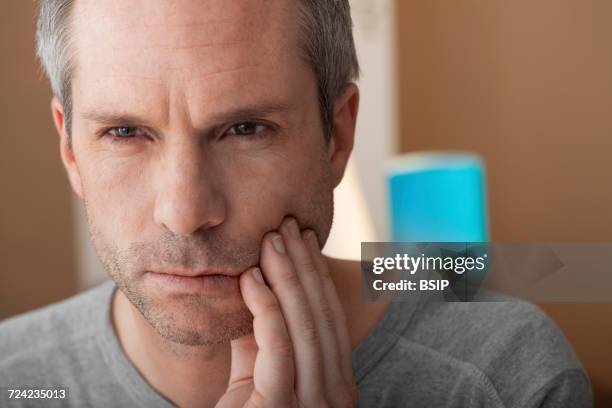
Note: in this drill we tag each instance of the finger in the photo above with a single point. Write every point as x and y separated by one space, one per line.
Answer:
284 282
329 289
244 352
308 274
273 370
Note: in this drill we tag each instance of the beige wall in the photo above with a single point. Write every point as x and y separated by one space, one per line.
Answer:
35 215
528 85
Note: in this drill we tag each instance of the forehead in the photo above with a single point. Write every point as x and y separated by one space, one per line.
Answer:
189 45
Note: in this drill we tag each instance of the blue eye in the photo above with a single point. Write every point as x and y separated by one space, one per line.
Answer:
247 129
125 132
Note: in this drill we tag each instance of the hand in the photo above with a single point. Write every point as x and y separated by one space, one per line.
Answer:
299 354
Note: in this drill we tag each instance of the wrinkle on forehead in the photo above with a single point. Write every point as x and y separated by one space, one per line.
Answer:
180 25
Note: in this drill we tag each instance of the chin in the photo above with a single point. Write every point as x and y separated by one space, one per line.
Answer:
197 320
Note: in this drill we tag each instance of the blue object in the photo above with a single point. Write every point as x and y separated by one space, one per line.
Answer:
438 197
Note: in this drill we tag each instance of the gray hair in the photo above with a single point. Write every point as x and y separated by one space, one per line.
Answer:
53 50
327 43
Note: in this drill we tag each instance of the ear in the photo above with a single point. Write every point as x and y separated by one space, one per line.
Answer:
66 152
342 137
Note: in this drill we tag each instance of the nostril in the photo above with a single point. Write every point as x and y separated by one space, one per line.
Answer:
187 214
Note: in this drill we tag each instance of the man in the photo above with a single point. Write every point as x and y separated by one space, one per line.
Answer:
205 139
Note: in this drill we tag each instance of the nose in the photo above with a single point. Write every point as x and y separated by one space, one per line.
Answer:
187 200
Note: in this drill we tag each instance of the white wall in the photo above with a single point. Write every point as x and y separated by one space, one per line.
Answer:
361 205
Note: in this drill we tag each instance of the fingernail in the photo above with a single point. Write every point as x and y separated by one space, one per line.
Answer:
310 236
293 228
279 245
257 275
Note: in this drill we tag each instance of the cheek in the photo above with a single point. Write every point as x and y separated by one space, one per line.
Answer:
117 197
267 190
257 194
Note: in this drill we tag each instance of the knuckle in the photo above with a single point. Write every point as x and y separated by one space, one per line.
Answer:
308 266
292 280
327 317
288 279
271 307
282 348
278 344
326 277
309 332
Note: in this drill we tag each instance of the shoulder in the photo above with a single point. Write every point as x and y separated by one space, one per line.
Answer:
58 322
481 332
510 347
44 336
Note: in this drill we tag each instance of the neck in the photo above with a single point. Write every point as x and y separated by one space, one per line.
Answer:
177 371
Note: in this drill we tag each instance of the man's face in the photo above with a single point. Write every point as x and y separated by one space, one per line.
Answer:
196 129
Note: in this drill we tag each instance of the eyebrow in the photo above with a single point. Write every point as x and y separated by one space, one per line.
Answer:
110 118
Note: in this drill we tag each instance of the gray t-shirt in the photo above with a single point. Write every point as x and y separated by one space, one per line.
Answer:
427 355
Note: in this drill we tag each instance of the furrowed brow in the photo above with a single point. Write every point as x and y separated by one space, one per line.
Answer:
254 111
109 118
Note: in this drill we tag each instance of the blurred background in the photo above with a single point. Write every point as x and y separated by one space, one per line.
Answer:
527 85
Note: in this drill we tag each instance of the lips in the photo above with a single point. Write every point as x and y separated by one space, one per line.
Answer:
181 281
194 274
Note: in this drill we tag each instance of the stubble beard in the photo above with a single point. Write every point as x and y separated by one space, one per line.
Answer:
191 319
177 326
